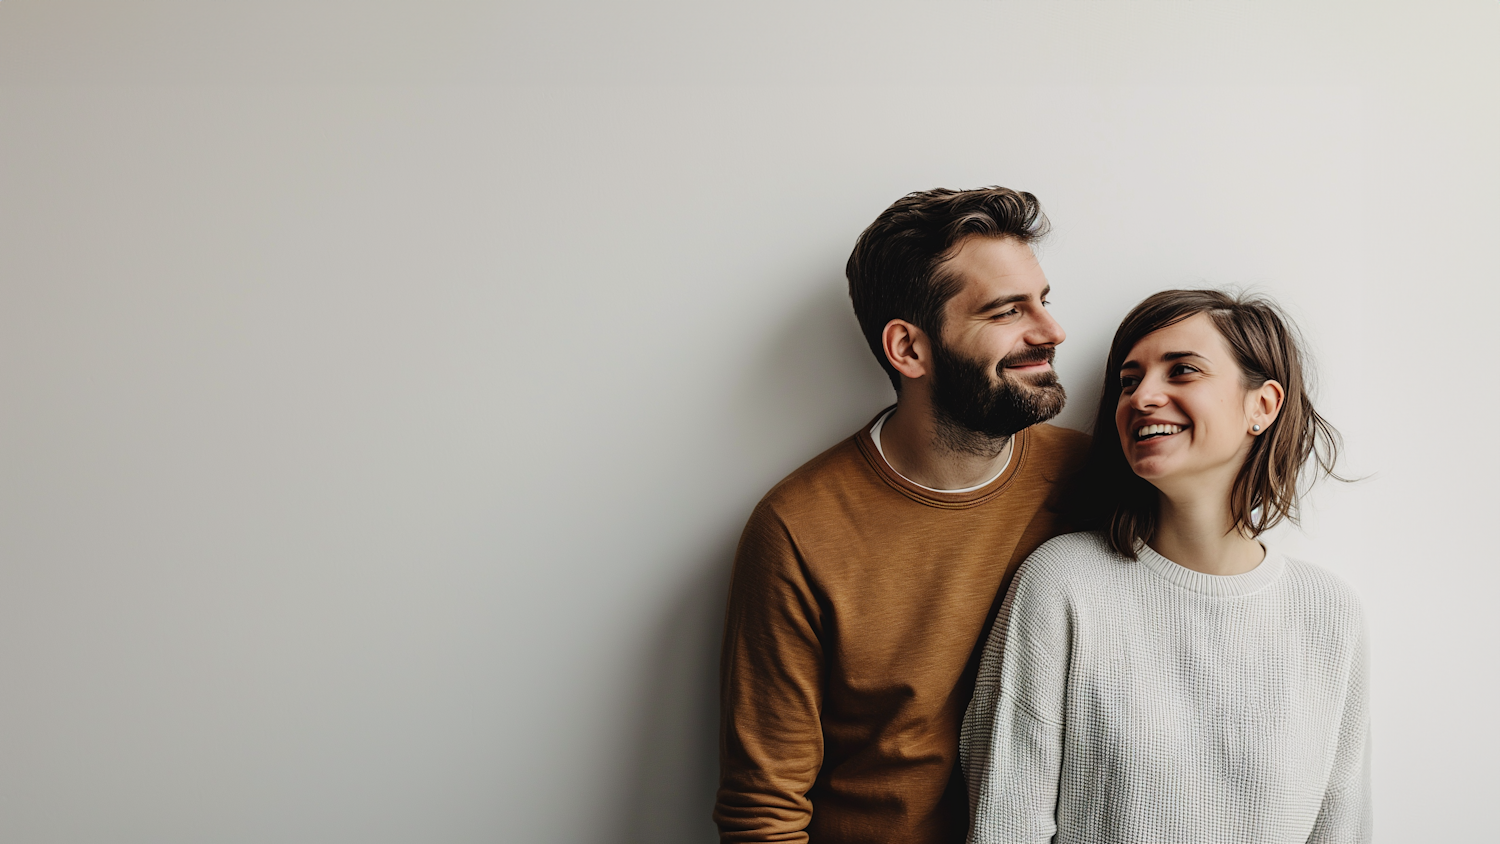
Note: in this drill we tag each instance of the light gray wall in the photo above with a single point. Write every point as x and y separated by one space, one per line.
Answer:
383 386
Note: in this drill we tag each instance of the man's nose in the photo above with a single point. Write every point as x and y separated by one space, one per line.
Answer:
1046 331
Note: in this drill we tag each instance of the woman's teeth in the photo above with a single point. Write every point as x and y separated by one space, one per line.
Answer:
1156 430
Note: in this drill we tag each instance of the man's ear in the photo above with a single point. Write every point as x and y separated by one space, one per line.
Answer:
907 348
1263 405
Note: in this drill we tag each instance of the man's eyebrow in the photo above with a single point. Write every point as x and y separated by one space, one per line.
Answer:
1002 301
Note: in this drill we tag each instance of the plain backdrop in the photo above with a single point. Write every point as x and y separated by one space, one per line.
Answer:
383 387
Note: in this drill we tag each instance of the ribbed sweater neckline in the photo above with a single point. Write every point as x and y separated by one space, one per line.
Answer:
1216 585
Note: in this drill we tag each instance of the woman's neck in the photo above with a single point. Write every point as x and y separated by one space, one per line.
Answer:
1199 534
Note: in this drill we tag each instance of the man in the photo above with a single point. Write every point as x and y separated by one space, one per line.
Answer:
866 581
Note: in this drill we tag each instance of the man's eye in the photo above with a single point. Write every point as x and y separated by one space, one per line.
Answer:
1010 313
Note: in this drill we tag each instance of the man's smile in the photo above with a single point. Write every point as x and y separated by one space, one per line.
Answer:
1031 367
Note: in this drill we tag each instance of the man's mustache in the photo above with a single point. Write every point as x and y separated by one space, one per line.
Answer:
1036 354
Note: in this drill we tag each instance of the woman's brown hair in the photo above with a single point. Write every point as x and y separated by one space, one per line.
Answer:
1112 498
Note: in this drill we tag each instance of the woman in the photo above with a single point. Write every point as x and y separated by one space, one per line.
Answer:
1169 678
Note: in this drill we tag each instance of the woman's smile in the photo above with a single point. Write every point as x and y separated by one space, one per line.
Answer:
1157 431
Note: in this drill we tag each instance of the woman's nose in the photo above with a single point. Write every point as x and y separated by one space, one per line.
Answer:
1147 395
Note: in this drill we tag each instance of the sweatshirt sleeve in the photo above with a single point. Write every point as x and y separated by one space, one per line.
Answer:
1011 743
1345 816
770 685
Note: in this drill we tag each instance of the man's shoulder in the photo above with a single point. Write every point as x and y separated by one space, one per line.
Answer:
815 500
1058 445
1052 459
835 469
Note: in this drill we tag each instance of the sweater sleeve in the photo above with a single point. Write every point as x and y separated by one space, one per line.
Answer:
1012 738
770 685
1345 816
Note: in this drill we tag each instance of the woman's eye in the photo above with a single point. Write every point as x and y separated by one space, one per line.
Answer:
1128 382
1183 369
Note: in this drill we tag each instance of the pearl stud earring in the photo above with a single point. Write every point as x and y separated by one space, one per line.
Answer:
1255 428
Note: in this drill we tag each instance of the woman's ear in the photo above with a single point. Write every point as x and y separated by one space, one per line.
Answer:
907 348
1263 405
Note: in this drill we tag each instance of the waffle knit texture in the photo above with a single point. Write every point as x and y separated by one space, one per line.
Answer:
857 612
1141 701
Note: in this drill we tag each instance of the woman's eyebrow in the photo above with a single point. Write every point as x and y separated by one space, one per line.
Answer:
1133 364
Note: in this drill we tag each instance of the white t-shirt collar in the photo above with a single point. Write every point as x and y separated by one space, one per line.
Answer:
875 435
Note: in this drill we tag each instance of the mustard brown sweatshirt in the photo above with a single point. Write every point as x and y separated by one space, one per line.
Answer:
858 608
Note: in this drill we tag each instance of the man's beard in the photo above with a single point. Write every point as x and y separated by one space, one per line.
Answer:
975 414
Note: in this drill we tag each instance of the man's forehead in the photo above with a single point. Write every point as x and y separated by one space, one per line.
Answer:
991 268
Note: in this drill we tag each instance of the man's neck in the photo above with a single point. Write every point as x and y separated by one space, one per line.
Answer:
940 456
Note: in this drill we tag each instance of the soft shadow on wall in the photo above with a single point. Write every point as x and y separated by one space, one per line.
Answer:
812 384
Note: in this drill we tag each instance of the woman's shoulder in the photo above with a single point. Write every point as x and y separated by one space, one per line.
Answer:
1070 559
1323 588
1084 542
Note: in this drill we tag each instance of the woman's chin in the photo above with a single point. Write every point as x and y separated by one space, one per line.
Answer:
1152 469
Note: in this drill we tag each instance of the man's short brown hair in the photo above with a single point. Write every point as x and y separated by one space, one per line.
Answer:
896 269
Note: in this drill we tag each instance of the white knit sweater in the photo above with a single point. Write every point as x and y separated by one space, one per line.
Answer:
1141 701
